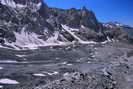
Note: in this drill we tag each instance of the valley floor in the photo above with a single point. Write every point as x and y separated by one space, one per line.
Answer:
93 66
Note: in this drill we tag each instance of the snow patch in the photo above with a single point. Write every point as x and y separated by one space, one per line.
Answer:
104 42
108 25
1 87
8 81
20 6
69 64
26 40
39 75
64 63
69 30
109 40
89 62
1 68
1 46
93 56
53 73
82 26
7 61
54 38
21 55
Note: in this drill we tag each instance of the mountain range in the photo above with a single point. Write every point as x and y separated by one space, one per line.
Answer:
28 24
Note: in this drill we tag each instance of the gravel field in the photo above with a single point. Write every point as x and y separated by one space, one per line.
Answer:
96 66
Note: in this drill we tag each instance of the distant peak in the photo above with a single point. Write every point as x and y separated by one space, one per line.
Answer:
115 24
84 8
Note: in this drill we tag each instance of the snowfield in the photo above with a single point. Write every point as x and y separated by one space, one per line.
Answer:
39 75
31 41
8 81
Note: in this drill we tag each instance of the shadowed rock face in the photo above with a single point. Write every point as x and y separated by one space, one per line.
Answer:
76 17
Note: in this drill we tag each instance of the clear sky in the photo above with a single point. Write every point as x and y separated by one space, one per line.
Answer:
105 10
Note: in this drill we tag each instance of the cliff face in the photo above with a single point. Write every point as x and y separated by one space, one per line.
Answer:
75 18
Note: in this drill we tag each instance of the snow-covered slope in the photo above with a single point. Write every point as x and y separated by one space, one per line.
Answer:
70 31
114 25
25 40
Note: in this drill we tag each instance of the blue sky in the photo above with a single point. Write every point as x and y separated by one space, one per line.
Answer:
105 10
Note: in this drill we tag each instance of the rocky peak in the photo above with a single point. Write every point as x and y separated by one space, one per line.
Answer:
76 17
88 19
114 25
